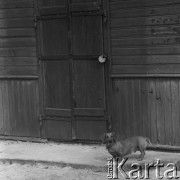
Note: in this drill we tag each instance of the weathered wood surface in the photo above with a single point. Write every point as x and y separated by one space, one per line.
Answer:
57 128
74 82
147 107
16 4
141 3
145 47
54 37
19 108
145 32
19 96
17 38
90 128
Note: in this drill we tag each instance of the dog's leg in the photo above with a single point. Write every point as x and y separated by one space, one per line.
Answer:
115 155
141 155
119 156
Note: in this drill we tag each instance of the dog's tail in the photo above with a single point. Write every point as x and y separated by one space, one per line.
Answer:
148 141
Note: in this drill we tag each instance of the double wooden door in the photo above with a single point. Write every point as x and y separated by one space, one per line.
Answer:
71 38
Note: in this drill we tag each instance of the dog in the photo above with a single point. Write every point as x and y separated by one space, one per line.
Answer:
127 146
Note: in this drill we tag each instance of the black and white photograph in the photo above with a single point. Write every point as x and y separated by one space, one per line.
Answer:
89 89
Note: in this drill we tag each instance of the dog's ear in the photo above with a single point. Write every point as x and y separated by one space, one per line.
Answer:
103 138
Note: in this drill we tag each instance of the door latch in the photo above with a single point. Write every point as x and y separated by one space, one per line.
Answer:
102 58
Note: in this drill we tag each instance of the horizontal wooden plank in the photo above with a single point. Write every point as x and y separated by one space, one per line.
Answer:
90 119
90 6
53 10
13 4
18 61
20 32
26 139
148 41
58 112
141 12
115 4
19 77
52 16
146 69
89 112
145 31
17 23
166 50
52 3
149 59
145 21
60 57
74 57
16 13
85 57
18 52
119 76
19 70
18 42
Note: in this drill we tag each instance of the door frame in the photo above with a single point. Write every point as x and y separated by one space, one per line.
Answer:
108 79
107 68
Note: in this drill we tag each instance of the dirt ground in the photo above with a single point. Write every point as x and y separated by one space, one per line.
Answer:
43 172
67 154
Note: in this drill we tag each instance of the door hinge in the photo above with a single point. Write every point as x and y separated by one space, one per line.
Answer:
35 22
40 118
105 16
41 126
40 122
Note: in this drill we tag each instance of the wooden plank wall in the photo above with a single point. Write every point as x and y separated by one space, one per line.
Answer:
148 107
18 69
145 69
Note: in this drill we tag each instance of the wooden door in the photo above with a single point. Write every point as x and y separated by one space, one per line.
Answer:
73 80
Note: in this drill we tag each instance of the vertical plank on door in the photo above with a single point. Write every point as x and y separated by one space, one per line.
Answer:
89 84
87 35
